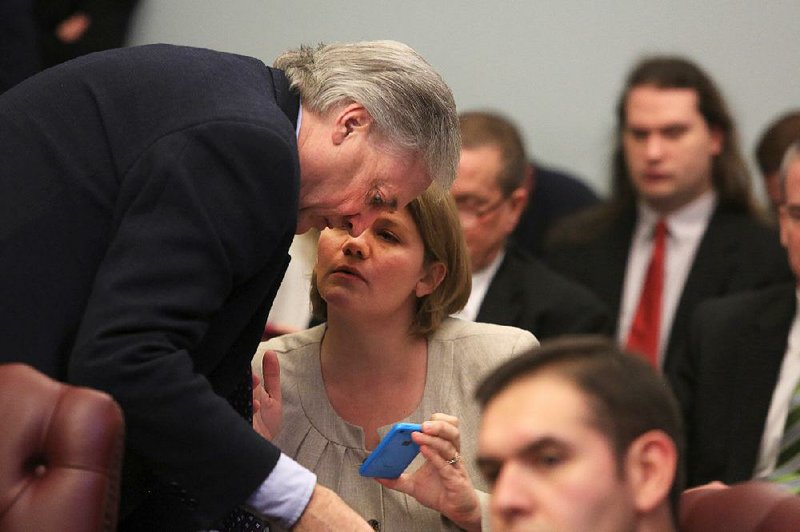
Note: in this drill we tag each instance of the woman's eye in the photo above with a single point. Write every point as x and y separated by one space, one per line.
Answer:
388 236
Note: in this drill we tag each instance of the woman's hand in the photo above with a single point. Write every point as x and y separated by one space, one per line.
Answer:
267 401
442 483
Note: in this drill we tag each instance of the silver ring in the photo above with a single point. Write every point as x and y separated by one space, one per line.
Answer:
454 460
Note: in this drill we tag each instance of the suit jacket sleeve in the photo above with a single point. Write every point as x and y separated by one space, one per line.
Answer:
204 212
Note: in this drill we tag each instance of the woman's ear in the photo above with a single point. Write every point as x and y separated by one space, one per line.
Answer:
651 462
435 274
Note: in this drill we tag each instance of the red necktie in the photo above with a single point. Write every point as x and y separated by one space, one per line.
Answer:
644 333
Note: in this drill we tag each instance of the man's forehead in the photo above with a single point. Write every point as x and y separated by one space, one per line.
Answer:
645 101
540 405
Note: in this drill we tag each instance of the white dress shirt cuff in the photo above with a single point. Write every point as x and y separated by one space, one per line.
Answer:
285 493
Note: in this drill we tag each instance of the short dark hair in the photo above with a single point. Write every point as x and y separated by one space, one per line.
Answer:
626 395
792 154
774 141
730 176
482 128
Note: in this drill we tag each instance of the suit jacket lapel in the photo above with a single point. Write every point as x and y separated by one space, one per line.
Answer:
759 358
502 304
708 271
612 263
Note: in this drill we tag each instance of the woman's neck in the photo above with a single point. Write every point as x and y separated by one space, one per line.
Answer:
374 373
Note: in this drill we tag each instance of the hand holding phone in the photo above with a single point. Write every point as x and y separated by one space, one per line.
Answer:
393 454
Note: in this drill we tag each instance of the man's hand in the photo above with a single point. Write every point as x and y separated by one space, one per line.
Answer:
327 512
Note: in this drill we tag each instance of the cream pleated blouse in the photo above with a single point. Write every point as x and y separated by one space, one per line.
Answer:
460 354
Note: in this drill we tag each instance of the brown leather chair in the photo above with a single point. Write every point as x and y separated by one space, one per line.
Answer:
751 506
60 454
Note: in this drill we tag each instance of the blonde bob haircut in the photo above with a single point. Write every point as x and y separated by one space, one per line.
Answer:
436 218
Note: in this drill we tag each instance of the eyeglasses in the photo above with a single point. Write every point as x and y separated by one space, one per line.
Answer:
470 213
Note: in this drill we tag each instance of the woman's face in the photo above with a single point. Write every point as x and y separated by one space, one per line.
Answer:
378 273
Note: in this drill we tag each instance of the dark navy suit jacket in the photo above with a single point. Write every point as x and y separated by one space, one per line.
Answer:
736 253
725 378
555 196
527 294
147 202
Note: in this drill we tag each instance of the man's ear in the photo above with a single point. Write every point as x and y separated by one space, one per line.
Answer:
349 120
431 280
517 202
717 141
530 179
783 226
650 464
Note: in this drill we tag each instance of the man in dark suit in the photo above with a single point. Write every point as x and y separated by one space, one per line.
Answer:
741 366
681 195
510 286
19 47
552 196
148 199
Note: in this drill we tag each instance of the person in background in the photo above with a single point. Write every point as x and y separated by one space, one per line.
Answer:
771 147
553 195
148 199
682 224
577 435
510 286
71 28
19 45
387 353
739 376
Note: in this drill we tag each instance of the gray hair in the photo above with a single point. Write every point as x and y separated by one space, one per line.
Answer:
410 103
789 157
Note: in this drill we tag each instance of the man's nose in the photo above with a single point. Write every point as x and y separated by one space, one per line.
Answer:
511 494
654 147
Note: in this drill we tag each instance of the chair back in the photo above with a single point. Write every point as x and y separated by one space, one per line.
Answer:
60 454
752 506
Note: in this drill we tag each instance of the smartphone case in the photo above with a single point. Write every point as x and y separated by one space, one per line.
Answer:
393 454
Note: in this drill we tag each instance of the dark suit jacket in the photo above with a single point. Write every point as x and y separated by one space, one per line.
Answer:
147 202
525 293
725 378
736 253
555 195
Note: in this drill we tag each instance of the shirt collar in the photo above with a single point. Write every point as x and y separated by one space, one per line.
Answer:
299 119
690 219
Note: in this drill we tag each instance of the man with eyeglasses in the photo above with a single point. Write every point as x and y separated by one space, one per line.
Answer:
509 286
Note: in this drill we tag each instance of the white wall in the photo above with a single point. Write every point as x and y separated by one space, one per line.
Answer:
554 66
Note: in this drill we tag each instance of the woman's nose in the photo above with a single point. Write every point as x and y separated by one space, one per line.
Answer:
356 246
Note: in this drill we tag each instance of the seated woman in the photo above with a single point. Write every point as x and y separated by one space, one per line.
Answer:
389 353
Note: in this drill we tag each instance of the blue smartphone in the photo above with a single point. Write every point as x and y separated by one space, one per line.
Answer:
393 454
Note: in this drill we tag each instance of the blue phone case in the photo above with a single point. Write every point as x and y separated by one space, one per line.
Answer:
393 454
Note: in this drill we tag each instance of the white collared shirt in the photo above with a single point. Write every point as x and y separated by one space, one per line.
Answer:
788 379
685 230
480 285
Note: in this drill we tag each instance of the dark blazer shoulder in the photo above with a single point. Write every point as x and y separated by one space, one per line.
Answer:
725 377
526 293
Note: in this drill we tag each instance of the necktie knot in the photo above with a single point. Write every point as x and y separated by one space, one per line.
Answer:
660 230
